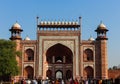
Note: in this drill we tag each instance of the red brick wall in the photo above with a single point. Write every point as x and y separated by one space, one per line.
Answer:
114 73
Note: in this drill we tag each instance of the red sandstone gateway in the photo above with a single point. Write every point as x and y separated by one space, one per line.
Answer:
59 52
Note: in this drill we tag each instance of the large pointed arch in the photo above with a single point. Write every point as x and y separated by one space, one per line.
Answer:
59 53
59 59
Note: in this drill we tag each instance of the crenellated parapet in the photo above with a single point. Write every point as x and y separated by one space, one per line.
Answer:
58 25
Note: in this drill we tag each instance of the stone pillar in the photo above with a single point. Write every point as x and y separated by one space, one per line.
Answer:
64 59
53 59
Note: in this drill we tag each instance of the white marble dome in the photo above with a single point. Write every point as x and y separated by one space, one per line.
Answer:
101 25
91 39
27 38
16 25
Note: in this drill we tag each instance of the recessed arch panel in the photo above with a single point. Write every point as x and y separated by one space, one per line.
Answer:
88 72
88 55
28 72
49 74
68 74
29 55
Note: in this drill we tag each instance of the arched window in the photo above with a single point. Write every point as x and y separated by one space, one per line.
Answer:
58 59
29 55
88 55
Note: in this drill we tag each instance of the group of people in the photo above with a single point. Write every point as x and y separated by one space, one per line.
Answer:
29 81
61 81
48 81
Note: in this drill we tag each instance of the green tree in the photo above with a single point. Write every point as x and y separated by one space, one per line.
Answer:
8 63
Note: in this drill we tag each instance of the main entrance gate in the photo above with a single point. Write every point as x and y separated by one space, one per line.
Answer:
60 62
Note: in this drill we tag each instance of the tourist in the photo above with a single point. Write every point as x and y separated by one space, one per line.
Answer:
34 81
39 81
76 81
28 81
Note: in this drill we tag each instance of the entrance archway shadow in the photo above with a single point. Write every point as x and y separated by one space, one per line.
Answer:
59 51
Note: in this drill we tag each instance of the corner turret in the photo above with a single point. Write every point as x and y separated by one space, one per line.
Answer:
15 32
101 52
101 32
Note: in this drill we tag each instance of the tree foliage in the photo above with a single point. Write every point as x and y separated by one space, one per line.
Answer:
8 63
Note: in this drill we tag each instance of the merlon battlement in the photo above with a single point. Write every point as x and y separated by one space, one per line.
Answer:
59 24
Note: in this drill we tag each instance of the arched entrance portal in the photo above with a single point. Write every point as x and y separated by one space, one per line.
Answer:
59 74
28 72
60 60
